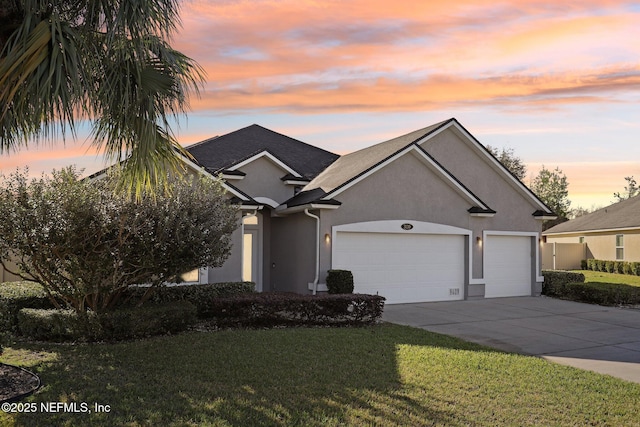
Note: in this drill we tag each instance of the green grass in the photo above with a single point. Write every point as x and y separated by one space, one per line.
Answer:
381 375
600 277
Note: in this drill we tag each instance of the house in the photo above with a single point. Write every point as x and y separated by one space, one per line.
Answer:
611 234
427 216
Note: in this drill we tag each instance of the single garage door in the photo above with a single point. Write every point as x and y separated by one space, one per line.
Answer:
507 263
403 267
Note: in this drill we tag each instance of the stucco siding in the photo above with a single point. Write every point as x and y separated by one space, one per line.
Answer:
474 170
263 180
405 188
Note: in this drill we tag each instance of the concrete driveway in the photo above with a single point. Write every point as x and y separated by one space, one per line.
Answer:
601 339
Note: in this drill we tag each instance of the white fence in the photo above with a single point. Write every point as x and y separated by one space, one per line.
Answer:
563 256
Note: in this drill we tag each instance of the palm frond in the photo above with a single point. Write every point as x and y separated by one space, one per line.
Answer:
108 61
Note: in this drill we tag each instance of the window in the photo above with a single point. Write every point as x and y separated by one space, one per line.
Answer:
191 276
619 246
250 220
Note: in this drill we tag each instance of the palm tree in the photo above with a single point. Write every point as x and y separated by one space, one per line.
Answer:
105 61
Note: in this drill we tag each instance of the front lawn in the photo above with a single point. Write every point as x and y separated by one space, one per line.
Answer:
600 277
379 375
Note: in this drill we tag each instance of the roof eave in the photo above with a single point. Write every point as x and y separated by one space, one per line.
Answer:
599 230
479 212
285 210
541 215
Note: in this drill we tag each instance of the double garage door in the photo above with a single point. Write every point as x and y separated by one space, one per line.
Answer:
429 267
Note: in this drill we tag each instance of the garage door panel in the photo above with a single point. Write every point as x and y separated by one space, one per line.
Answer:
508 266
403 267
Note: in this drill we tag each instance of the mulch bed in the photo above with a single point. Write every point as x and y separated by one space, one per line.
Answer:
16 383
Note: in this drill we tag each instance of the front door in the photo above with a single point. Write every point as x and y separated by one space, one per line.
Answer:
251 255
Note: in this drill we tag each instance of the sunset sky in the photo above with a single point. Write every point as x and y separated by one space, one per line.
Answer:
556 81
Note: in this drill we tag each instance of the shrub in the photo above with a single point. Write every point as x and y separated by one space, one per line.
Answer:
15 296
621 267
88 243
597 293
148 320
69 325
58 325
198 295
583 264
608 266
340 282
281 309
554 279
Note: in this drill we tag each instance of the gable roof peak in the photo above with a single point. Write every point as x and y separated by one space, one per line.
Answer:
357 162
226 151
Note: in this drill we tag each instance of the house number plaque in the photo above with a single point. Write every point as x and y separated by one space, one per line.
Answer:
407 226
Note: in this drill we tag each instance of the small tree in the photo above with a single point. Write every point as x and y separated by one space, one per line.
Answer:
85 243
552 188
507 157
630 190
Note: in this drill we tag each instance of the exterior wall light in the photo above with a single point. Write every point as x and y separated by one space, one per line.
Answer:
479 240
327 238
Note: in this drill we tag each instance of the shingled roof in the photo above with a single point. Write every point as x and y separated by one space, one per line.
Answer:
223 152
625 214
352 165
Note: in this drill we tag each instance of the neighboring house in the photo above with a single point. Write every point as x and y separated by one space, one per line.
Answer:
427 216
611 233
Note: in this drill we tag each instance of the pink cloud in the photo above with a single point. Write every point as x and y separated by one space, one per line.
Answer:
388 94
308 56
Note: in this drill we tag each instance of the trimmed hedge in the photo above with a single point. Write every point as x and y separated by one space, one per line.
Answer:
555 278
620 267
126 323
154 319
58 325
340 282
283 309
597 293
198 295
15 296
571 286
